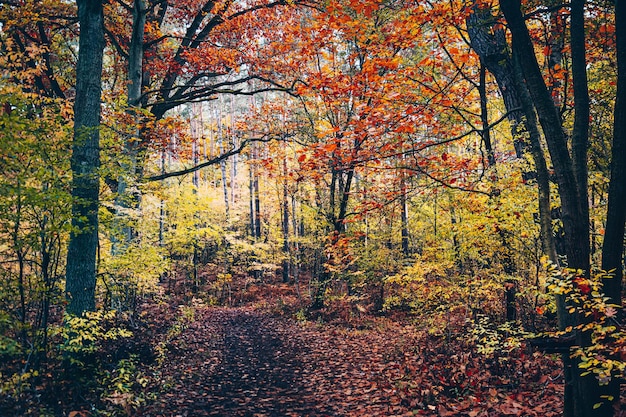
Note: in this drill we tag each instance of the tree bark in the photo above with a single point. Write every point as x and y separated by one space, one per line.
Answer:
285 224
491 46
135 54
85 161
580 132
575 225
581 393
613 246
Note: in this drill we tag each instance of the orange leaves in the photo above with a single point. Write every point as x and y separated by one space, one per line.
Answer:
223 60
329 147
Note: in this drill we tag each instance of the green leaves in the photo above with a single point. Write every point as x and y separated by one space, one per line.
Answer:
83 336
596 318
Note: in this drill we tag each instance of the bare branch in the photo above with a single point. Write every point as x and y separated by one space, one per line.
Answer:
215 160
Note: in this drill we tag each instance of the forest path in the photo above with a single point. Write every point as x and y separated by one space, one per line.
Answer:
244 362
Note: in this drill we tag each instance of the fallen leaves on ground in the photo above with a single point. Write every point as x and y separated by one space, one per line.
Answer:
246 362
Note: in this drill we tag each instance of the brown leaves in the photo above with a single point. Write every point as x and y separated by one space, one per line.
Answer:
245 362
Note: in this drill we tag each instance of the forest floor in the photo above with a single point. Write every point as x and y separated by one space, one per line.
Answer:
266 355
256 361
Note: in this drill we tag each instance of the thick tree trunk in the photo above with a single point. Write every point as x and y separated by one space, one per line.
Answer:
580 132
613 247
490 44
576 226
581 393
85 161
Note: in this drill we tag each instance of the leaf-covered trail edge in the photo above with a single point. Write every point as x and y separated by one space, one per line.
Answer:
246 361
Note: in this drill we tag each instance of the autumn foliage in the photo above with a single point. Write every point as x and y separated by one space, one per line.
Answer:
345 207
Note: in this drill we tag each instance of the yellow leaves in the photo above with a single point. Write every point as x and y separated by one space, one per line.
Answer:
83 334
324 128
67 110
584 296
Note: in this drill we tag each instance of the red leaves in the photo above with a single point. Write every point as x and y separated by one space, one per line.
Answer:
217 367
582 284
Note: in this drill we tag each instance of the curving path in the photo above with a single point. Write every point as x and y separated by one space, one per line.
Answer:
244 362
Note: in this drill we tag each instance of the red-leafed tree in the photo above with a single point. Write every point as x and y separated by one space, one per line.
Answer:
376 103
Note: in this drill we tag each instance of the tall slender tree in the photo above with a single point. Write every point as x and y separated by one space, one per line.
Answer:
613 246
489 41
584 397
574 222
85 161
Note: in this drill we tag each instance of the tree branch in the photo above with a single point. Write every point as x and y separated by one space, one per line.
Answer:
215 160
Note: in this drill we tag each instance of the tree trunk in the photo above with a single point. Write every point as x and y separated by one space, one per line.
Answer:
613 247
233 159
225 190
580 132
404 217
19 253
85 161
220 140
251 192
581 393
257 204
197 134
135 54
285 223
126 199
484 116
575 225
491 46
162 206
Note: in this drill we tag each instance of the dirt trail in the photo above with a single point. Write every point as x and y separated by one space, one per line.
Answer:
258 372
242 362
245 362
